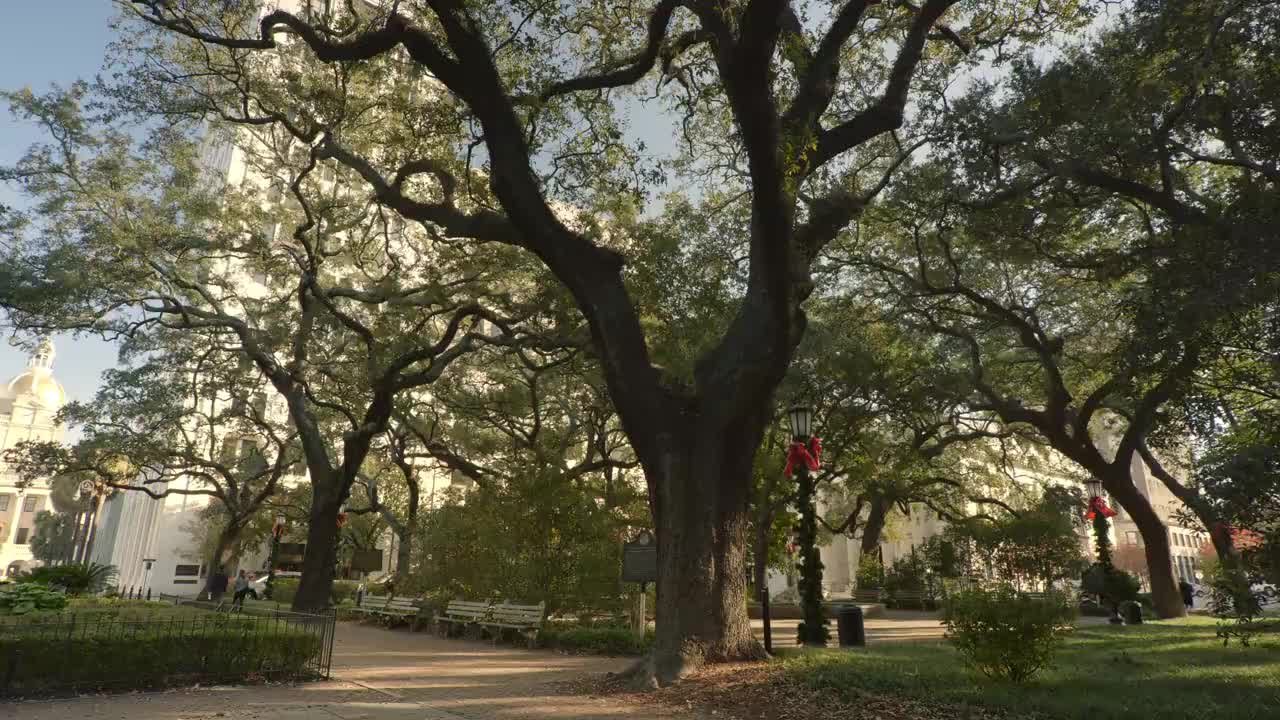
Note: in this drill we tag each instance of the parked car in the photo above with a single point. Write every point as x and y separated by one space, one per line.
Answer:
258 586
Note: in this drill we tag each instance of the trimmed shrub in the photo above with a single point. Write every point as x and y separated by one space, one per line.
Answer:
1114 586
149 655
594 640
283 590
1005 634
343 591
25 598
870 572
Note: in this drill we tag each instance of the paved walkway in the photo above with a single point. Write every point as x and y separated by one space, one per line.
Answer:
396 675
378 675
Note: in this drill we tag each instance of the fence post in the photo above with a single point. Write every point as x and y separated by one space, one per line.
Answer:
148 594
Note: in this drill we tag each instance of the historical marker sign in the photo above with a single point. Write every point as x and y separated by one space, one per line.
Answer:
292 552
367 560
640 559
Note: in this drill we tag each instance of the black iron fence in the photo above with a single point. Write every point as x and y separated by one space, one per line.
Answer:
181 642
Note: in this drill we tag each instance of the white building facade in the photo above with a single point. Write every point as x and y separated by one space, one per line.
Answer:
29 404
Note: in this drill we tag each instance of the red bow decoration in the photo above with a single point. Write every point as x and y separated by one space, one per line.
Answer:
809 455
342 519
1098 505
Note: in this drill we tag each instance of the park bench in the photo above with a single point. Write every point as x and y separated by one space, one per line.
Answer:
463 613
391 607
910 598
524 619
869 596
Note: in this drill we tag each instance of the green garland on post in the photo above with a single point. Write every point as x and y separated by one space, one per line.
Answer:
813 629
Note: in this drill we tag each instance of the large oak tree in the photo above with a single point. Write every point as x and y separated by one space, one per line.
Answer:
802 109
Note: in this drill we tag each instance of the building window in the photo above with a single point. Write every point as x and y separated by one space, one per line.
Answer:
229 445
186 570
21 539
29 503
1131 537
4 503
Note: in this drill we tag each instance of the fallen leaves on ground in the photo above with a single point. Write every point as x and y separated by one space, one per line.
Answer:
763 691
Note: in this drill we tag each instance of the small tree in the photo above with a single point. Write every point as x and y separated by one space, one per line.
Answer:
1133 560
1005 634
54 536
1033 548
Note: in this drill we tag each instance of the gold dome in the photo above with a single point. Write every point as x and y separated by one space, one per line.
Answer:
40 386
36 383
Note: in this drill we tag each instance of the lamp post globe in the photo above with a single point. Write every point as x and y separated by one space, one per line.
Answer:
801 417
1093 487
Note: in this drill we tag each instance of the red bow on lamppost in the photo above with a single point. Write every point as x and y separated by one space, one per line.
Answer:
809 455
1098 506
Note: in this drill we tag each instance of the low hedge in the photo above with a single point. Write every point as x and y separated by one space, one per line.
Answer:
283 591
93 653
594 640
343 591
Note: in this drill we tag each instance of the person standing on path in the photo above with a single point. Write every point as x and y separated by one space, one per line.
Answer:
218 585
242 589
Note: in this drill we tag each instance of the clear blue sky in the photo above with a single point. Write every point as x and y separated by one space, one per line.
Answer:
43 43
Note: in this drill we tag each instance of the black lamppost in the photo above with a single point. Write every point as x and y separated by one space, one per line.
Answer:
277 529
1101 528
1104 569
801 460
147 564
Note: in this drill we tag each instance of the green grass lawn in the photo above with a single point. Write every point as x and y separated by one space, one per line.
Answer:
1165 670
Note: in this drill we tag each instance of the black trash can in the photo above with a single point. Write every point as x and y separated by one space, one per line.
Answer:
1133 613
849 626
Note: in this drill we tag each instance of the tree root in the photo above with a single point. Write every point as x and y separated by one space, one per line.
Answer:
658 669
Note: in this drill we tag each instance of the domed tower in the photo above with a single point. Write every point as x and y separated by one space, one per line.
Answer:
30 400
29 404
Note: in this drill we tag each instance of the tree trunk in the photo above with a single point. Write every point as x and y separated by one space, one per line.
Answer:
404 554
1219 534
321 558
701 515
91 533
874 527
70 555
1165 595
220 555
